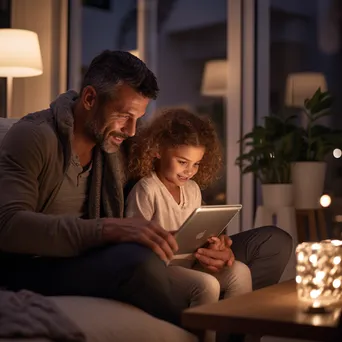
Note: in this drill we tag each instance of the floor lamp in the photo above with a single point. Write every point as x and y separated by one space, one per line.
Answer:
19 57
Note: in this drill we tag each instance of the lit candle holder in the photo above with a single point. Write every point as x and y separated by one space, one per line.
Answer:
319 273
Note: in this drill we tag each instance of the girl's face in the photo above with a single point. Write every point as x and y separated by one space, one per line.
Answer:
177 165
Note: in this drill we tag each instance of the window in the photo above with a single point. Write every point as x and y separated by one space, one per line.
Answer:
5 22
101 4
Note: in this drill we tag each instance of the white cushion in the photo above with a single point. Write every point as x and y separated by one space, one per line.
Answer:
104 320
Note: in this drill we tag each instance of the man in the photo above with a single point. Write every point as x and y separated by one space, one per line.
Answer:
61 202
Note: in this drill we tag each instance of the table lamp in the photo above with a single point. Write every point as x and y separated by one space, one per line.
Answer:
214 80
319 274
301 86
19 57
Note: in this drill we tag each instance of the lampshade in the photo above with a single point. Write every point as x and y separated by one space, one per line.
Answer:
319 273
134 53
214 80
19 53
301 86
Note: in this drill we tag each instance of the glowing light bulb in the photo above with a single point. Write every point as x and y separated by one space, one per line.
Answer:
336 242
315 293
316 246
301 256
337 153
337 260
337 283
320 275
325 201
313 258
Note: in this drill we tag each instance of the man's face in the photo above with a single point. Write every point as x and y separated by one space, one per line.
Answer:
115 120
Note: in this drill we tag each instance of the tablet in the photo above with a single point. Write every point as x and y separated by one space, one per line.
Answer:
204 222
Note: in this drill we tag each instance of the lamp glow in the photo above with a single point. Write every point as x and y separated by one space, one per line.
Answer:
20 53
337 153
214 81
19 57
319 273
325 201
301 85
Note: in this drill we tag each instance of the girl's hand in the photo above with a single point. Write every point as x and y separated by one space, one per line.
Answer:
215 243
217 254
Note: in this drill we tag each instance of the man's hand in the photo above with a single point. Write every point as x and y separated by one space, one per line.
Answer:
217 255
140 231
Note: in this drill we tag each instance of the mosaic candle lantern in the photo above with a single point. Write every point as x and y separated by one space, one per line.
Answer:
319 273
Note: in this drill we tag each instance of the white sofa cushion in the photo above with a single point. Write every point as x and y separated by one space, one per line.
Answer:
104 320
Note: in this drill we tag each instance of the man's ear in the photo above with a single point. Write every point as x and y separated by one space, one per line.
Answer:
88 97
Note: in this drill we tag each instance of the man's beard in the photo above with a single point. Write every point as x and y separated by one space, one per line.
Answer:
104 142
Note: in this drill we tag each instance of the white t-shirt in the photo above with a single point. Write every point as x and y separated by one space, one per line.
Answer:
151 200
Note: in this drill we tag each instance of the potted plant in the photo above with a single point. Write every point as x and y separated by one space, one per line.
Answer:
313 143
268 152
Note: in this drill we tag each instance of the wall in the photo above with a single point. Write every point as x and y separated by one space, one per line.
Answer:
48 18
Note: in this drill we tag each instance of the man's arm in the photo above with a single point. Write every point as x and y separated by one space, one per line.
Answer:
24 154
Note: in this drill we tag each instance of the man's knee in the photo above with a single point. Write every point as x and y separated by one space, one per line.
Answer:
139 276
125 261
278 239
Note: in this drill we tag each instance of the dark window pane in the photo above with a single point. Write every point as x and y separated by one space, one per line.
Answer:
102 4
5 22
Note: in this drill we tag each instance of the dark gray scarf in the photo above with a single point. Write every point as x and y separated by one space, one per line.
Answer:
106 190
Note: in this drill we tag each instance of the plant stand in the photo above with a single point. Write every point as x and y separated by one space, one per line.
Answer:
308 184
284 218
313 219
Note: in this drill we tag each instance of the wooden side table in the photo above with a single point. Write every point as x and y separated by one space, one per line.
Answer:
271 311
314 220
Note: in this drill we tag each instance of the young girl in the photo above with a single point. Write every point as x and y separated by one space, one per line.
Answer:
175 155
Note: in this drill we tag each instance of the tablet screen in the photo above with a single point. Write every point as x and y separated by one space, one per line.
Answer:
204 222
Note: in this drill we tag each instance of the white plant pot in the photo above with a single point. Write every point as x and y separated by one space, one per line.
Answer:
277 195
308 184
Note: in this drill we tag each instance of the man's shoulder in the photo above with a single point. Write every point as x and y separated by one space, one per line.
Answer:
31 131
35 124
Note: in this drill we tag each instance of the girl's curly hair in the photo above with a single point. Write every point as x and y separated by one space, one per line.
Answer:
172 128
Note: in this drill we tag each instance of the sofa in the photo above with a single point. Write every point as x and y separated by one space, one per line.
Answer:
103 320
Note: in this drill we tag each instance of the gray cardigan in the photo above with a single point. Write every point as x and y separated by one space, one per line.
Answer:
34 156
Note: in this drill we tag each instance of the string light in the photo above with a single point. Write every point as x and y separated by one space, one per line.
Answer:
337 153
319 273
325 201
